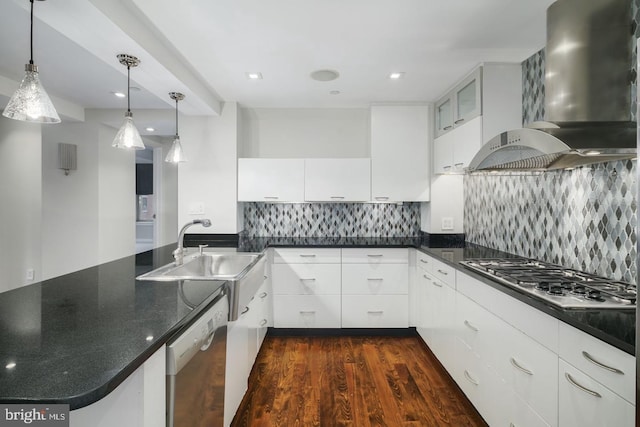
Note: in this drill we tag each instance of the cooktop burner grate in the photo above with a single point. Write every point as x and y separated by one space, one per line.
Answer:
563 287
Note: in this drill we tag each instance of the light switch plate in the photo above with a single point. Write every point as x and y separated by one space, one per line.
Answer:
31 274
447 223
196 208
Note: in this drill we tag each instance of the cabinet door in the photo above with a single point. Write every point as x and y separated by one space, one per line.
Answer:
467 98
337 180
444 115
467 141
400 159
270 180
443 154
585 402
375 311
236 373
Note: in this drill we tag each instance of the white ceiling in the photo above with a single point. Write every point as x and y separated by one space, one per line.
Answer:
204 48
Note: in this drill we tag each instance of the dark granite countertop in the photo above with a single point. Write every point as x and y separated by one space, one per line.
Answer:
616 327
76 337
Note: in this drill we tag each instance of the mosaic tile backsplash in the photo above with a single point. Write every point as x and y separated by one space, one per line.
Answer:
332 219
585 219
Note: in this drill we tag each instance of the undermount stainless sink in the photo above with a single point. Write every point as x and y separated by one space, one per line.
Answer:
243 272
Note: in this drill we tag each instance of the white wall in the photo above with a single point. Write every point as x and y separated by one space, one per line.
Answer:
300 133
116 198
209 178
447 201
69 203
21 205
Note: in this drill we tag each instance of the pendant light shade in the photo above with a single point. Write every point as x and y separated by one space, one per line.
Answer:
30 102
128 136
176 153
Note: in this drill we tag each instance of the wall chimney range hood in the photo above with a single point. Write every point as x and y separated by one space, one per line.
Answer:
588 94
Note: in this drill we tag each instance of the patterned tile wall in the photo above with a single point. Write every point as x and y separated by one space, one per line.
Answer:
332 219
585 218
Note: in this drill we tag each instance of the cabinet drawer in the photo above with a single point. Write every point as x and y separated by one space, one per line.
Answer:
580 407
444 272
424 262
378 279
375 255
534 323
306 256
477 328
306 279
608 365
306 311
530 369
375 311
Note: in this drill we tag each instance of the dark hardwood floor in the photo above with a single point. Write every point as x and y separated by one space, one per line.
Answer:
351 381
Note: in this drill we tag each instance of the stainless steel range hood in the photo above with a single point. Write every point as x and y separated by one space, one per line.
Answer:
588 94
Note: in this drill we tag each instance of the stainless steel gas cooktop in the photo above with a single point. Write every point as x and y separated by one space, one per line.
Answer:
560 286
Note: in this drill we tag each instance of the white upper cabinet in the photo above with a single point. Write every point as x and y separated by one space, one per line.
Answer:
399 152
484 104
270 180
337 180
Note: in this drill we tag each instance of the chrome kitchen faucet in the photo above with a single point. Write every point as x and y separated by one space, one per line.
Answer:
178 254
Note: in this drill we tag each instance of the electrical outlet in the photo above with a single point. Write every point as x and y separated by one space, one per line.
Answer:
447 223
196 208
31 274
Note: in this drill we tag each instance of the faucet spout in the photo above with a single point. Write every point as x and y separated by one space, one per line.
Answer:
178 254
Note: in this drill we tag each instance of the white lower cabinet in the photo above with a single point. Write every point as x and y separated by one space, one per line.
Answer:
237 367
585 402
375 311
517 365
307 311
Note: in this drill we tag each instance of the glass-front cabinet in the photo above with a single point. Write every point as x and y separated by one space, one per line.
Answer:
461 104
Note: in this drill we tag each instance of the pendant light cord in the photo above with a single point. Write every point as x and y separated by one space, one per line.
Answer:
31 36
128 88
176 116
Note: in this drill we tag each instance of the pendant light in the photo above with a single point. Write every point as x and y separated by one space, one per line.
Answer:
30 102
176 153
128 136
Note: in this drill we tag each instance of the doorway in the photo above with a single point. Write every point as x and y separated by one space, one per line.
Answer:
146 200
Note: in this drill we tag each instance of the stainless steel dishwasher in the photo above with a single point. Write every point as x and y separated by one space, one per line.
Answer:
196 370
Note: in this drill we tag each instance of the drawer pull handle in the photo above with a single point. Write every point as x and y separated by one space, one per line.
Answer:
446 168
308 255
311 279
308 312
373 279
374 255
470 378
458 121
382 198
518 367
601 365
337 197
244 311
375 311
443 272
436 284
470 326
426 277
447 127
424 261
271 197
580 387
458 164
263 322
263 295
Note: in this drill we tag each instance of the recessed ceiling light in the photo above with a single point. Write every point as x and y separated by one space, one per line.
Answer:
325 75
254 76
119 94
396 75
150 129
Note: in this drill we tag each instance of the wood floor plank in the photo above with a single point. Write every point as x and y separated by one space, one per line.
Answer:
352 381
